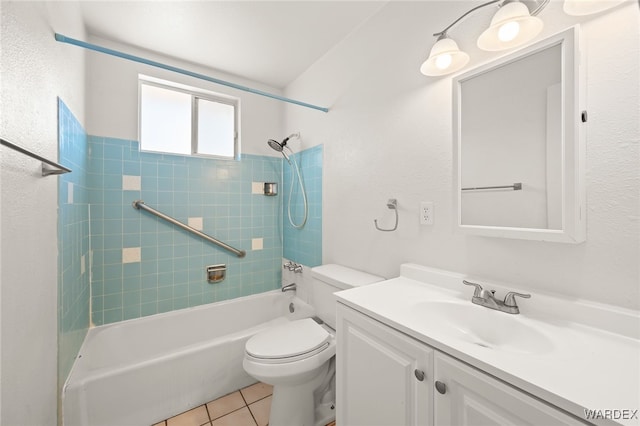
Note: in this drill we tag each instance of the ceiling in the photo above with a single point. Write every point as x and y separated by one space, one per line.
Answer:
271 42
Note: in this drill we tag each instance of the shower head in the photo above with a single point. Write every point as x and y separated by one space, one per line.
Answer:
276 145
279 146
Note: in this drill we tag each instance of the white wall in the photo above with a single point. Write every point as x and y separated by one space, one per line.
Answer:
35 71
388 135
112 97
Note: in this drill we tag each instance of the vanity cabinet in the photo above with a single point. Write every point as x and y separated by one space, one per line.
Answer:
385 377
473 398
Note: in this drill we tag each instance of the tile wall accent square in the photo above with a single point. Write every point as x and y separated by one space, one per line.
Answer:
131 254
131 183
257 244
257 187
69 193
196 222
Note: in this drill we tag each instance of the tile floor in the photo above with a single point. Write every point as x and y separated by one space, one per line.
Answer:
249 406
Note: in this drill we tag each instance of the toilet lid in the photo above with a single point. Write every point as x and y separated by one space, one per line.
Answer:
288 340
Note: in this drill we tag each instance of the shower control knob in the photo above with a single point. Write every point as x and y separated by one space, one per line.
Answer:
419 374
441 387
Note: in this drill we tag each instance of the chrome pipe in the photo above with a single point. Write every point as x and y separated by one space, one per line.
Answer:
139 204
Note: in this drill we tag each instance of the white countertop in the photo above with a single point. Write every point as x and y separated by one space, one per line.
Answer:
583 364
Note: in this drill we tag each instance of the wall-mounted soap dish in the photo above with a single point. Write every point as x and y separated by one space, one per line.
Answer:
216 273
270 188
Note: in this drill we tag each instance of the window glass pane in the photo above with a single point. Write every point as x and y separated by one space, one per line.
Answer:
216 129
165 120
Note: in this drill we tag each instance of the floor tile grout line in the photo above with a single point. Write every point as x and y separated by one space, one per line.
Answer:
208 414
264 397
230 412
243 398
247 407
252 416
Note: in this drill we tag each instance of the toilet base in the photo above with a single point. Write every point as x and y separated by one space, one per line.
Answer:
294 404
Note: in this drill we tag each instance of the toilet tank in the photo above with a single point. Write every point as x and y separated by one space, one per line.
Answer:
330 278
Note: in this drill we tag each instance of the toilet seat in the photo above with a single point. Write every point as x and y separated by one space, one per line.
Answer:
288 342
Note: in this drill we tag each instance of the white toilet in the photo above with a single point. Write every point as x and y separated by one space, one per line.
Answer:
297 358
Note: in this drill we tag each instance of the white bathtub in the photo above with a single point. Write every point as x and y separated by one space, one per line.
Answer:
141 371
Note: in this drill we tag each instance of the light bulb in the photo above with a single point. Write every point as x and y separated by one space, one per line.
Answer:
508 31
443 61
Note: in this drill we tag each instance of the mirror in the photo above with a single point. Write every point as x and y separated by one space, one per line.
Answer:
518 144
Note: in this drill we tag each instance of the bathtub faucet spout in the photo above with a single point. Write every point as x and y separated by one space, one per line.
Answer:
289 287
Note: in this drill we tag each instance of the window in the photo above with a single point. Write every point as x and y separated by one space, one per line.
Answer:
181 120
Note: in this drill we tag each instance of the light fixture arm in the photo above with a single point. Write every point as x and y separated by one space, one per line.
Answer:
443 33
538 9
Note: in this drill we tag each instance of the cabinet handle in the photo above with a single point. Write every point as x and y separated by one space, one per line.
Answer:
419 374
441 387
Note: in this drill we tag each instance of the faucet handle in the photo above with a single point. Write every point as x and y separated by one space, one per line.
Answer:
478 288
510 298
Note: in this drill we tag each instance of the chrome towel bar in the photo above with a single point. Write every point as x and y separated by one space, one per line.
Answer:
140 205
516 187
46 171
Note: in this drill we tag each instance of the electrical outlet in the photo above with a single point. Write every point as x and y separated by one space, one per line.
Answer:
426 213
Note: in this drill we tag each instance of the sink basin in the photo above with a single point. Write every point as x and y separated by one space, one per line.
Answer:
483 326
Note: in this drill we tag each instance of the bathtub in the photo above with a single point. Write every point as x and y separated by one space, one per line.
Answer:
145 370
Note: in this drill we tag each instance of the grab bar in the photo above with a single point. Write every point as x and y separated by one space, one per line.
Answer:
139 204
46 171
516 187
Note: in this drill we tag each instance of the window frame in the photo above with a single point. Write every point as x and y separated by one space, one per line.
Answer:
195 94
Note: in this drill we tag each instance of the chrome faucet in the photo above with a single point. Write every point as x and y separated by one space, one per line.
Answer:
289 287
487 299
292 266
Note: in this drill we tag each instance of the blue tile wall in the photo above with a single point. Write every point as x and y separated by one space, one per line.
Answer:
170 273
304 245
73 241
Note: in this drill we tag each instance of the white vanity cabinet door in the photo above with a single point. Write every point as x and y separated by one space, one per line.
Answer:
378 374
474 398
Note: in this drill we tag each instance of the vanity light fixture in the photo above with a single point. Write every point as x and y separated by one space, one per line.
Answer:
445 58
511 26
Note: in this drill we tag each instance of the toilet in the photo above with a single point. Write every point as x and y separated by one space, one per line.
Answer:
298 358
